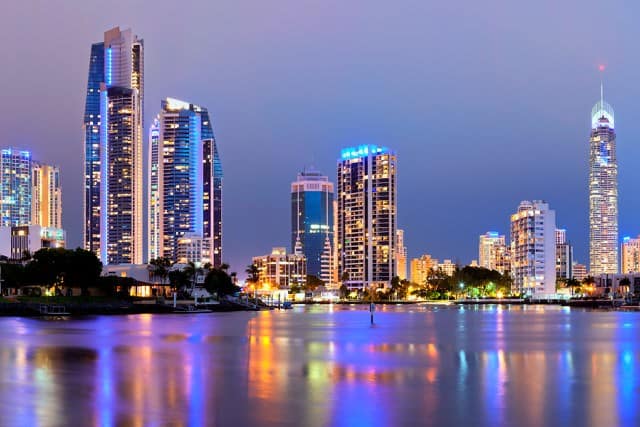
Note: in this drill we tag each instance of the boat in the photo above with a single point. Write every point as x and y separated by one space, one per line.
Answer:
53 310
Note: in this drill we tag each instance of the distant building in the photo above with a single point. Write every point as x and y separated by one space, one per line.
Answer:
46 196
603 191
185 183
15 187
195 249
312 220
18 240
564 256
420 268
280 269
631 255
493 252
533 248
401 255
447 267
367 216
579 271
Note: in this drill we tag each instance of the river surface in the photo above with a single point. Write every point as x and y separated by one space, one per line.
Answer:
325 366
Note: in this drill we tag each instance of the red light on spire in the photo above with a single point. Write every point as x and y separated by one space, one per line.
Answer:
601 67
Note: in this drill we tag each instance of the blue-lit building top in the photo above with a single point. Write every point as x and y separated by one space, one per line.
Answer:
311 217
361 151
91 127
15 187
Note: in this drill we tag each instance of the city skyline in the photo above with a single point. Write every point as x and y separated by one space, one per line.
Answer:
255 147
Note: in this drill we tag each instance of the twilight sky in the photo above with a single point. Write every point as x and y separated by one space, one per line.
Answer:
486 103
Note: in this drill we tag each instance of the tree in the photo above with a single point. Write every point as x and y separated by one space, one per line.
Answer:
219 282
312 283
159 267
253 274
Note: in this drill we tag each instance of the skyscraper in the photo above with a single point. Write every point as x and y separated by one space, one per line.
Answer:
91 129
493 252
533 248
15 187
185 184
113 149
603 191
46 196
367 216
312 219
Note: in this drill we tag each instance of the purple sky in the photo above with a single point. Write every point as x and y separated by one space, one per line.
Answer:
486 103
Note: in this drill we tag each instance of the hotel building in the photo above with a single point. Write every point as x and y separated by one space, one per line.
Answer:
185 185
46 196
603 191
15 187
113 215
366 195
533 248
312 225
631 255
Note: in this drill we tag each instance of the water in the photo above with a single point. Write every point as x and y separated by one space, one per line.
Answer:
322 366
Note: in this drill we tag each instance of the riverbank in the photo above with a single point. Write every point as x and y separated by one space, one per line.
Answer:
84 306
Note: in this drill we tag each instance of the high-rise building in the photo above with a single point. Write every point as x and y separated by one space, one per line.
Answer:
533 248
15 187
564 255
113 214
401 255
184 185
603 191
46 196
312 219
421 267
493 252
367 213
17 241
91 130
630 255
121 176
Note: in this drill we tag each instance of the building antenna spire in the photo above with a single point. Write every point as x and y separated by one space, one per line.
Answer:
601 68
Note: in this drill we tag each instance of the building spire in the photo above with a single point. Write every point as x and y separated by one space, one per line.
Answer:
601 68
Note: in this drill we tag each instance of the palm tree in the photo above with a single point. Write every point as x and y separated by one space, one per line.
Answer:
159 267
589 281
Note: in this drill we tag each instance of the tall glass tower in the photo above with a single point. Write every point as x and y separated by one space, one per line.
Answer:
603 191
91 128
367 216
15 187
185 183
312 220
113 221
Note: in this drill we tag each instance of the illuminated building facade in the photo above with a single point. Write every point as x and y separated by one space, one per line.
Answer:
493 252
579 271
120 150
533 248
312 219
447 267
193 248
421 268
91 131
46 196
401 255
367 213
280 269
631 255
185 184
564 256
15 187
603 191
